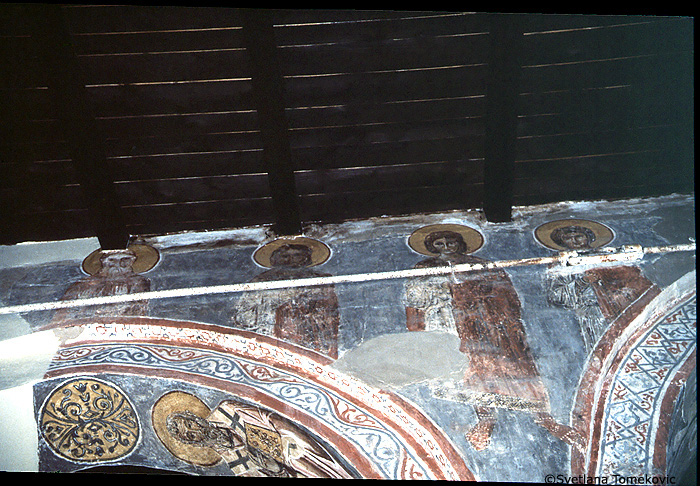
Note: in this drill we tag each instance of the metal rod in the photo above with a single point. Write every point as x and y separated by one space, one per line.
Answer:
573 258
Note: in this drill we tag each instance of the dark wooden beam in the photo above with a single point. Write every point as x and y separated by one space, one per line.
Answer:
268 91
65 82
502 91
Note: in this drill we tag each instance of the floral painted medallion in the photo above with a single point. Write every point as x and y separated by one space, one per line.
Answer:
86 420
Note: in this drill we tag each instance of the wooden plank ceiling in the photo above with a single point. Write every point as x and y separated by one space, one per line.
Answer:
124 120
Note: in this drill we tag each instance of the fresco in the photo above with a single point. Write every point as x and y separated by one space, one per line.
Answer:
483 309
111 272
546 368
308 316
87 420
327 423
254 442
597 295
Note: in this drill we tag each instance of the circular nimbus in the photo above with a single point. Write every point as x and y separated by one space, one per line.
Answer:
179 401
86 420
320 253
146 259
472 237
598 234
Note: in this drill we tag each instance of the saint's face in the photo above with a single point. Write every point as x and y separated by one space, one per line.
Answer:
290 257
446 245
118 263
575 240
190 429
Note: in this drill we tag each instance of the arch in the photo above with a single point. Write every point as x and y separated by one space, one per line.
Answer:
379 432
630 383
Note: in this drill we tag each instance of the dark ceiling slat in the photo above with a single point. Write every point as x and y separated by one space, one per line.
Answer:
651 35
501 116
385 86
180 124
38 174
192 189
83 19
584 170
268 92
404 176
230 213
15 19
52 197
367 204
157 42
554 23
49 226
19 53
373 131
390 55
175 224
54 46
360 112
376 28
160 98
389 132
193 164
27 104
599 142
281 17
20 131
601 176
622 107
26 152
613 191
644 69
378 154
153 68
193 142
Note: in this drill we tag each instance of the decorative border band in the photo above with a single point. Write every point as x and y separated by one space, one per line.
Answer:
390 434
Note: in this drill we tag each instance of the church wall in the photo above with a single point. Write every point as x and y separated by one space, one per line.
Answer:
374 344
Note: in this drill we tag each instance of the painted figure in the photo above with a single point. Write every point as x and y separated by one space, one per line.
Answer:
307 316
115 275
255 442
595 295
483 309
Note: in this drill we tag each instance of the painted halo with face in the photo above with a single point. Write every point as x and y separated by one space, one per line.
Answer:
117 262
573 237
446 243
191 429
291 256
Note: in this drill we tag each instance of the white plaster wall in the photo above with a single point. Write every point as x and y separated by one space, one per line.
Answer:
36 253
24 357
18 446
23 362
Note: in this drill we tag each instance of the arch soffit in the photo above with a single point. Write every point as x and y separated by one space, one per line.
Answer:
667 325
271 373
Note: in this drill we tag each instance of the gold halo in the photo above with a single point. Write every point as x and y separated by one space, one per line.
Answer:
146 259
320 253
472 237
178 401
603 234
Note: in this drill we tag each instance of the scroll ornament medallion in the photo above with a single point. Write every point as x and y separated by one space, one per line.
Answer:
86 420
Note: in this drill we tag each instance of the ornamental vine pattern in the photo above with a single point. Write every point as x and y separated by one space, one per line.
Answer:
86 420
